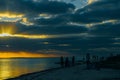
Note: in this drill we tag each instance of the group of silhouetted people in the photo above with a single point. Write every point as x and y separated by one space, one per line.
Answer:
92 64
65 62
91 61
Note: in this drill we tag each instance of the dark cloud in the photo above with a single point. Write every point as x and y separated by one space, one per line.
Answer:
50 29
107 30
19 44
51 21
100 11
84 18
74 45
30 7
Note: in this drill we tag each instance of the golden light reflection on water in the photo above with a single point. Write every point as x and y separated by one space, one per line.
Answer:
4 70
24 55
10 68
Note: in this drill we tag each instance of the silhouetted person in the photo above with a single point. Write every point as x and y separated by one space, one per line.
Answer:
93 62
83 59
67 63
62 61
88 61
97 63
73 61
102 59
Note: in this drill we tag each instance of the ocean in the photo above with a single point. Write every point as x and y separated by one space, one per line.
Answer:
10 68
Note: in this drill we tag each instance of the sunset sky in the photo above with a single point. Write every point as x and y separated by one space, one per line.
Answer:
51 28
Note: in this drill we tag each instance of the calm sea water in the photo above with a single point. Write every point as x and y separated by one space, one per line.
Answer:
15 67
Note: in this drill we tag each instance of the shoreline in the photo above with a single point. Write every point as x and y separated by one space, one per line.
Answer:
35 73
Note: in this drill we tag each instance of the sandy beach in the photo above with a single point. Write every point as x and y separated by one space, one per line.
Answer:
72 73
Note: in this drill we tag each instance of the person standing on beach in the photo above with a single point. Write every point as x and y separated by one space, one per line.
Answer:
97 63
62 61
93 61
88 61
67 63
73 61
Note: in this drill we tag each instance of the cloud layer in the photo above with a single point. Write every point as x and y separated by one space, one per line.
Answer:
93 28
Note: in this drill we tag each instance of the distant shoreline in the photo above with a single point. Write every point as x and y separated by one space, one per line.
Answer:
28 57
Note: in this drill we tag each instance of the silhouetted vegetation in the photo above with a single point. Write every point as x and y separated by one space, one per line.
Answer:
111 62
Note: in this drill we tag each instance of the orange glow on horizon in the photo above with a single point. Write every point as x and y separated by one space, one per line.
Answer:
24 55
